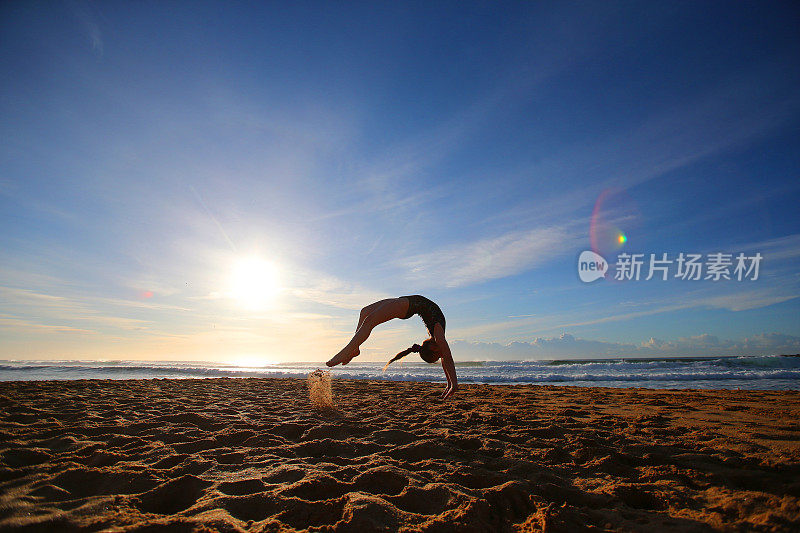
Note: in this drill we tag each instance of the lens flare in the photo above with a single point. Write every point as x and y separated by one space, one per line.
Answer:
613 210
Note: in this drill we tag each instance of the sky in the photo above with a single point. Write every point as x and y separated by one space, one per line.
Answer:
234 181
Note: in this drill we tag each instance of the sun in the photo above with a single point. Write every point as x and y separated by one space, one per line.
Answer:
254 283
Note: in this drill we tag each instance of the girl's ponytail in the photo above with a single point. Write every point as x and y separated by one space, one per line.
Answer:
415 348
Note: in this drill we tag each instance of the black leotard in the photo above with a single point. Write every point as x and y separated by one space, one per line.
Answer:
426 309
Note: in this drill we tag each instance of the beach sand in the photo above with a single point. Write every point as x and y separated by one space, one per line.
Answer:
253 455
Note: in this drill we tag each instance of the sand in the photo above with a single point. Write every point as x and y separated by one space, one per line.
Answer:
253 455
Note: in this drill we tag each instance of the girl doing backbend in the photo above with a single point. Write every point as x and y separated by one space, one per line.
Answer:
404 307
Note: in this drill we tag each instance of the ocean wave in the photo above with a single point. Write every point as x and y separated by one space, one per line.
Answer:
155 371
683 377
762 370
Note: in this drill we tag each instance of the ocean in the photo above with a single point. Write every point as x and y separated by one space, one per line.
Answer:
776 372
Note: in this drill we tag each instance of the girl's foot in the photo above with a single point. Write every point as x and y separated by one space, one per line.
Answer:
343 357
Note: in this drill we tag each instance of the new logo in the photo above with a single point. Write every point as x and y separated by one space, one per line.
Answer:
591 266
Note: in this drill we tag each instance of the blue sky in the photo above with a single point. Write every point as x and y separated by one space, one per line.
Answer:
363 151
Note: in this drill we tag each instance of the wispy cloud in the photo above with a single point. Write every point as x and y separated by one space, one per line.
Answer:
381 183
490 258
682 136
567 346
87 17
16 324
777 249
538 324
318 288
737 300
735 113
753 299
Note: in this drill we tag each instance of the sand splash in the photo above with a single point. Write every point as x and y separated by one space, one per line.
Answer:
320 391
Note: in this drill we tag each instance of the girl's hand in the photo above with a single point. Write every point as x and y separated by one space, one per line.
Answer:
449 391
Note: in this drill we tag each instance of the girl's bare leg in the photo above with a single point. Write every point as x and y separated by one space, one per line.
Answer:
346 354
371 316
365 312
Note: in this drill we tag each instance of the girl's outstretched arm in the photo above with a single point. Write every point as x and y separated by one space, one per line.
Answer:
447 361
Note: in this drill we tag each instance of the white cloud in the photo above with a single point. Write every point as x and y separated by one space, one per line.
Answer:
755 299
490 258
739 298
318 288
568 346
778 249
18 325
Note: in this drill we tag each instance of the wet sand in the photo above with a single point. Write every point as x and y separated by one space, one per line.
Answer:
254 455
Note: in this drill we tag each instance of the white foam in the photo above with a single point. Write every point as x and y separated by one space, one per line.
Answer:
721 372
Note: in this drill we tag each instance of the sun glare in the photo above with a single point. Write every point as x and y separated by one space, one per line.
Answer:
254 283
